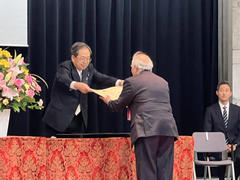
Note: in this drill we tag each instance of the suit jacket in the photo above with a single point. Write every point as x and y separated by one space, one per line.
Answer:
147 96
64 101
214 122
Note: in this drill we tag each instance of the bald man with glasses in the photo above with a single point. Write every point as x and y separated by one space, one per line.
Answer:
153 127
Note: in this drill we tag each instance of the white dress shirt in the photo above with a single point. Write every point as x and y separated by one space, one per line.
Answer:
221 106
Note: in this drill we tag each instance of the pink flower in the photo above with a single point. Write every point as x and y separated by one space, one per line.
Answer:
12 62
19 82
30 93
20 89
5 89
38 88
9 93
21 61
1 76
15 71
2 84
29 79
11 82
40 103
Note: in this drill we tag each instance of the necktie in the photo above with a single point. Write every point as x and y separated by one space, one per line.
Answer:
225 119
80 75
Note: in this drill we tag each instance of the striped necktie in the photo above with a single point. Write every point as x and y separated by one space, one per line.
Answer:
225 119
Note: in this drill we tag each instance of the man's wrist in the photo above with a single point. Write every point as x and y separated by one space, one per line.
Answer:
72 85
117 83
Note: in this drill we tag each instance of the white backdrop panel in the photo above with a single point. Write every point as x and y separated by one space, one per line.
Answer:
13 23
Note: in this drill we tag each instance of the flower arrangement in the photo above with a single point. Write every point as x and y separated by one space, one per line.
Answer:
17 86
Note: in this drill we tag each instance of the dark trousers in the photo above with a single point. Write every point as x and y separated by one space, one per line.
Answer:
154 157
76 126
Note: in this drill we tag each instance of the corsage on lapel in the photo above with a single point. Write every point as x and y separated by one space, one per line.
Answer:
87 77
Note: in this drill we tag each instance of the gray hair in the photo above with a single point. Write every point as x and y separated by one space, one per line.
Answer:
142 65
77 46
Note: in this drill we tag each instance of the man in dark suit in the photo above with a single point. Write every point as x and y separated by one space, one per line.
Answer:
67 111
153 128
214 122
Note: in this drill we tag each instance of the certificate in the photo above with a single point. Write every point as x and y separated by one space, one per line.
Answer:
113 92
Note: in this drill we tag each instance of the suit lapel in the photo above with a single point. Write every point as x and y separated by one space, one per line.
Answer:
231 112
76 78
219 114
85 76
75 74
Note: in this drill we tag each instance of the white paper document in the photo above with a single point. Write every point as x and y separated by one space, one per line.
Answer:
113 92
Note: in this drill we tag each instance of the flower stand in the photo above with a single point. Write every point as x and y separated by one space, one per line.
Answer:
4 121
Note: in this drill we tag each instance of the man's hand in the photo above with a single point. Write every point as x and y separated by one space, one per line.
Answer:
229 148
84 88
121 83
105 99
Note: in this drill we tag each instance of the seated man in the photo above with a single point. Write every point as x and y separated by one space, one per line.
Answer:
225 117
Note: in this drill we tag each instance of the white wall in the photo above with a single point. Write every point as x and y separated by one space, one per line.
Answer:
236 51
13 23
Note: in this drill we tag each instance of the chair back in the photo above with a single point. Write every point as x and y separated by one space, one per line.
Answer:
214 149
209 142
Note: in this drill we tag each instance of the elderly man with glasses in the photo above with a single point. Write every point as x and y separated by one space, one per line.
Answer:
67 111
153 127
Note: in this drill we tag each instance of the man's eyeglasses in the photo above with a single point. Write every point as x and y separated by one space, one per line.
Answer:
88 59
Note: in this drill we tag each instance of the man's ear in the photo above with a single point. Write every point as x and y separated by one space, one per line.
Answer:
217 93
72 58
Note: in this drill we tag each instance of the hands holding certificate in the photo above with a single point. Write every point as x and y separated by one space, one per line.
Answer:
105 99
108 94
111 93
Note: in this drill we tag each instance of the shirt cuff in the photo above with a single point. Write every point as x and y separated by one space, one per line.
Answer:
117 83
72 85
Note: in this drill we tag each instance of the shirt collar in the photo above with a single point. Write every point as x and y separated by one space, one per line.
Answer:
79 72
221 105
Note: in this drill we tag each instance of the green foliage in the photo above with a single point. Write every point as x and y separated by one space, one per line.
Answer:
18 88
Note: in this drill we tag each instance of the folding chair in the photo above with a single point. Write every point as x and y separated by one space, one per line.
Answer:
211 142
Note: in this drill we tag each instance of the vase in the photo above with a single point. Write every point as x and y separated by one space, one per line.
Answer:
4 121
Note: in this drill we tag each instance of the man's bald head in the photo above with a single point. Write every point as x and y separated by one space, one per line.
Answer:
142 61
